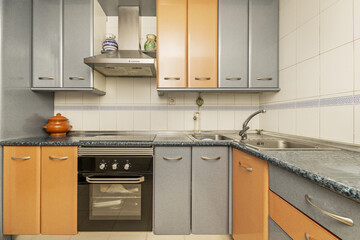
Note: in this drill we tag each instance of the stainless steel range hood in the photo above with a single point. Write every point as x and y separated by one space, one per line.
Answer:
128 61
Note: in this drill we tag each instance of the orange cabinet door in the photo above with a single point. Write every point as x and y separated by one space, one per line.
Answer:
21 190
172 43
250 197
202 43
295 223
59 190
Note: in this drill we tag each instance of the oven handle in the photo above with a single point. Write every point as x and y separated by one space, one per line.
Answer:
115 180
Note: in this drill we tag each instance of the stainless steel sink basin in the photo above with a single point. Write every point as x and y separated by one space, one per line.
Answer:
209 137
280 144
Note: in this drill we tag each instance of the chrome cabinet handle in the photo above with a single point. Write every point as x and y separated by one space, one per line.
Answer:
77 78
264 79
171 78
116 180
21 158
172 159
207 158
58 158
233 78
246 168
203 78
344 220
307 236
46 78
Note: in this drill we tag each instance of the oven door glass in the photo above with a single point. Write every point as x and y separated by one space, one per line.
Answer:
115 201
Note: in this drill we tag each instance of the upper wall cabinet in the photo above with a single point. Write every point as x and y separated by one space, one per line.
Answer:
187 43
63 34
264 43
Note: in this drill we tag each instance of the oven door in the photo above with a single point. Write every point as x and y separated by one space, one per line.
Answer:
115 203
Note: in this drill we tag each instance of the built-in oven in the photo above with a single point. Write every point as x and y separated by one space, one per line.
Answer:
115 188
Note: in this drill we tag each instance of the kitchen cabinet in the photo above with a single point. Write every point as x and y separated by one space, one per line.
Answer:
294 189
172 43
250 197
59 190
210 190
275 232
233 43
21 190
187 43
296 224
172 190
263 43
62 38
40 190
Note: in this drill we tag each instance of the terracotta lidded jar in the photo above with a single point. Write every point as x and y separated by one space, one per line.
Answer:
58 126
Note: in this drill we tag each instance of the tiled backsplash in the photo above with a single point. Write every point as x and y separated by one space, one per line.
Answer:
133 104
319 71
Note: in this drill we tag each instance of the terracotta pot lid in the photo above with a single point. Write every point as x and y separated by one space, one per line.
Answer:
58 117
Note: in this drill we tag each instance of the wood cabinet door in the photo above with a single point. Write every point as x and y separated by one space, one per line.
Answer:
250 197
59 190
172 43
21 190
202 43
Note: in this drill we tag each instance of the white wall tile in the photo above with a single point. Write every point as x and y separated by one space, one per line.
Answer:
287 79
210 98
308 78
59 98
336 25
112 25
125 120
209 120
142 120
330 127
336 70
176 120
190 98
226 99
108 120
357 123
179 97
155 99
270 120
91 98
287 16
125 90
306 10
357 64
226 120
308 122
74 98
324 4
91 120
356 19
255 99
287 51
307 40
188 120
142 91
287 121
111 92
242 99
159 120
75 119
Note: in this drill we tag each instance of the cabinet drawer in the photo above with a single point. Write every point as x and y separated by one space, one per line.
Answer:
296 224
276 232
293 189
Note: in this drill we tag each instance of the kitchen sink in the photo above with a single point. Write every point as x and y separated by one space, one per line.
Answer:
209 137
280 144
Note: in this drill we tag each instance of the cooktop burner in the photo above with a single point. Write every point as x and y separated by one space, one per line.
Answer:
111 136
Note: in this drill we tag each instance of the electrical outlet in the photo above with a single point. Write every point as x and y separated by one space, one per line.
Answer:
171 101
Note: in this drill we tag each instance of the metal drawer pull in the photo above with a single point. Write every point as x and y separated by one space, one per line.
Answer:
307 236
77 78
46 78
344 220
172 159
246 168
58 158
233 78
172 78
21 158
264 79
203 78
115 180
207 158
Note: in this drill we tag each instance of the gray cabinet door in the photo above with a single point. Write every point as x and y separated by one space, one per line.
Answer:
210 190
276 232
172 194
233 43
78 35
263 41
47 43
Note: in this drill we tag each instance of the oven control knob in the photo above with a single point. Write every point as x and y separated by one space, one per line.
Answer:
127 166
114 166
102 166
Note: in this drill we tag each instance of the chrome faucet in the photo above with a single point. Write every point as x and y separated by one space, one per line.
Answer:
243 133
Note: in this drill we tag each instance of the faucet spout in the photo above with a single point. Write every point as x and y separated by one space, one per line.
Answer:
242 133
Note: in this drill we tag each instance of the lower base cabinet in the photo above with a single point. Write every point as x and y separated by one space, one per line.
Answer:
40 190
172 190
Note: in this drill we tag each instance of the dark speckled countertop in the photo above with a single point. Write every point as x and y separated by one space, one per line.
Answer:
337 170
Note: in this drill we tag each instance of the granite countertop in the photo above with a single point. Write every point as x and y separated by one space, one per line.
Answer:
337 170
